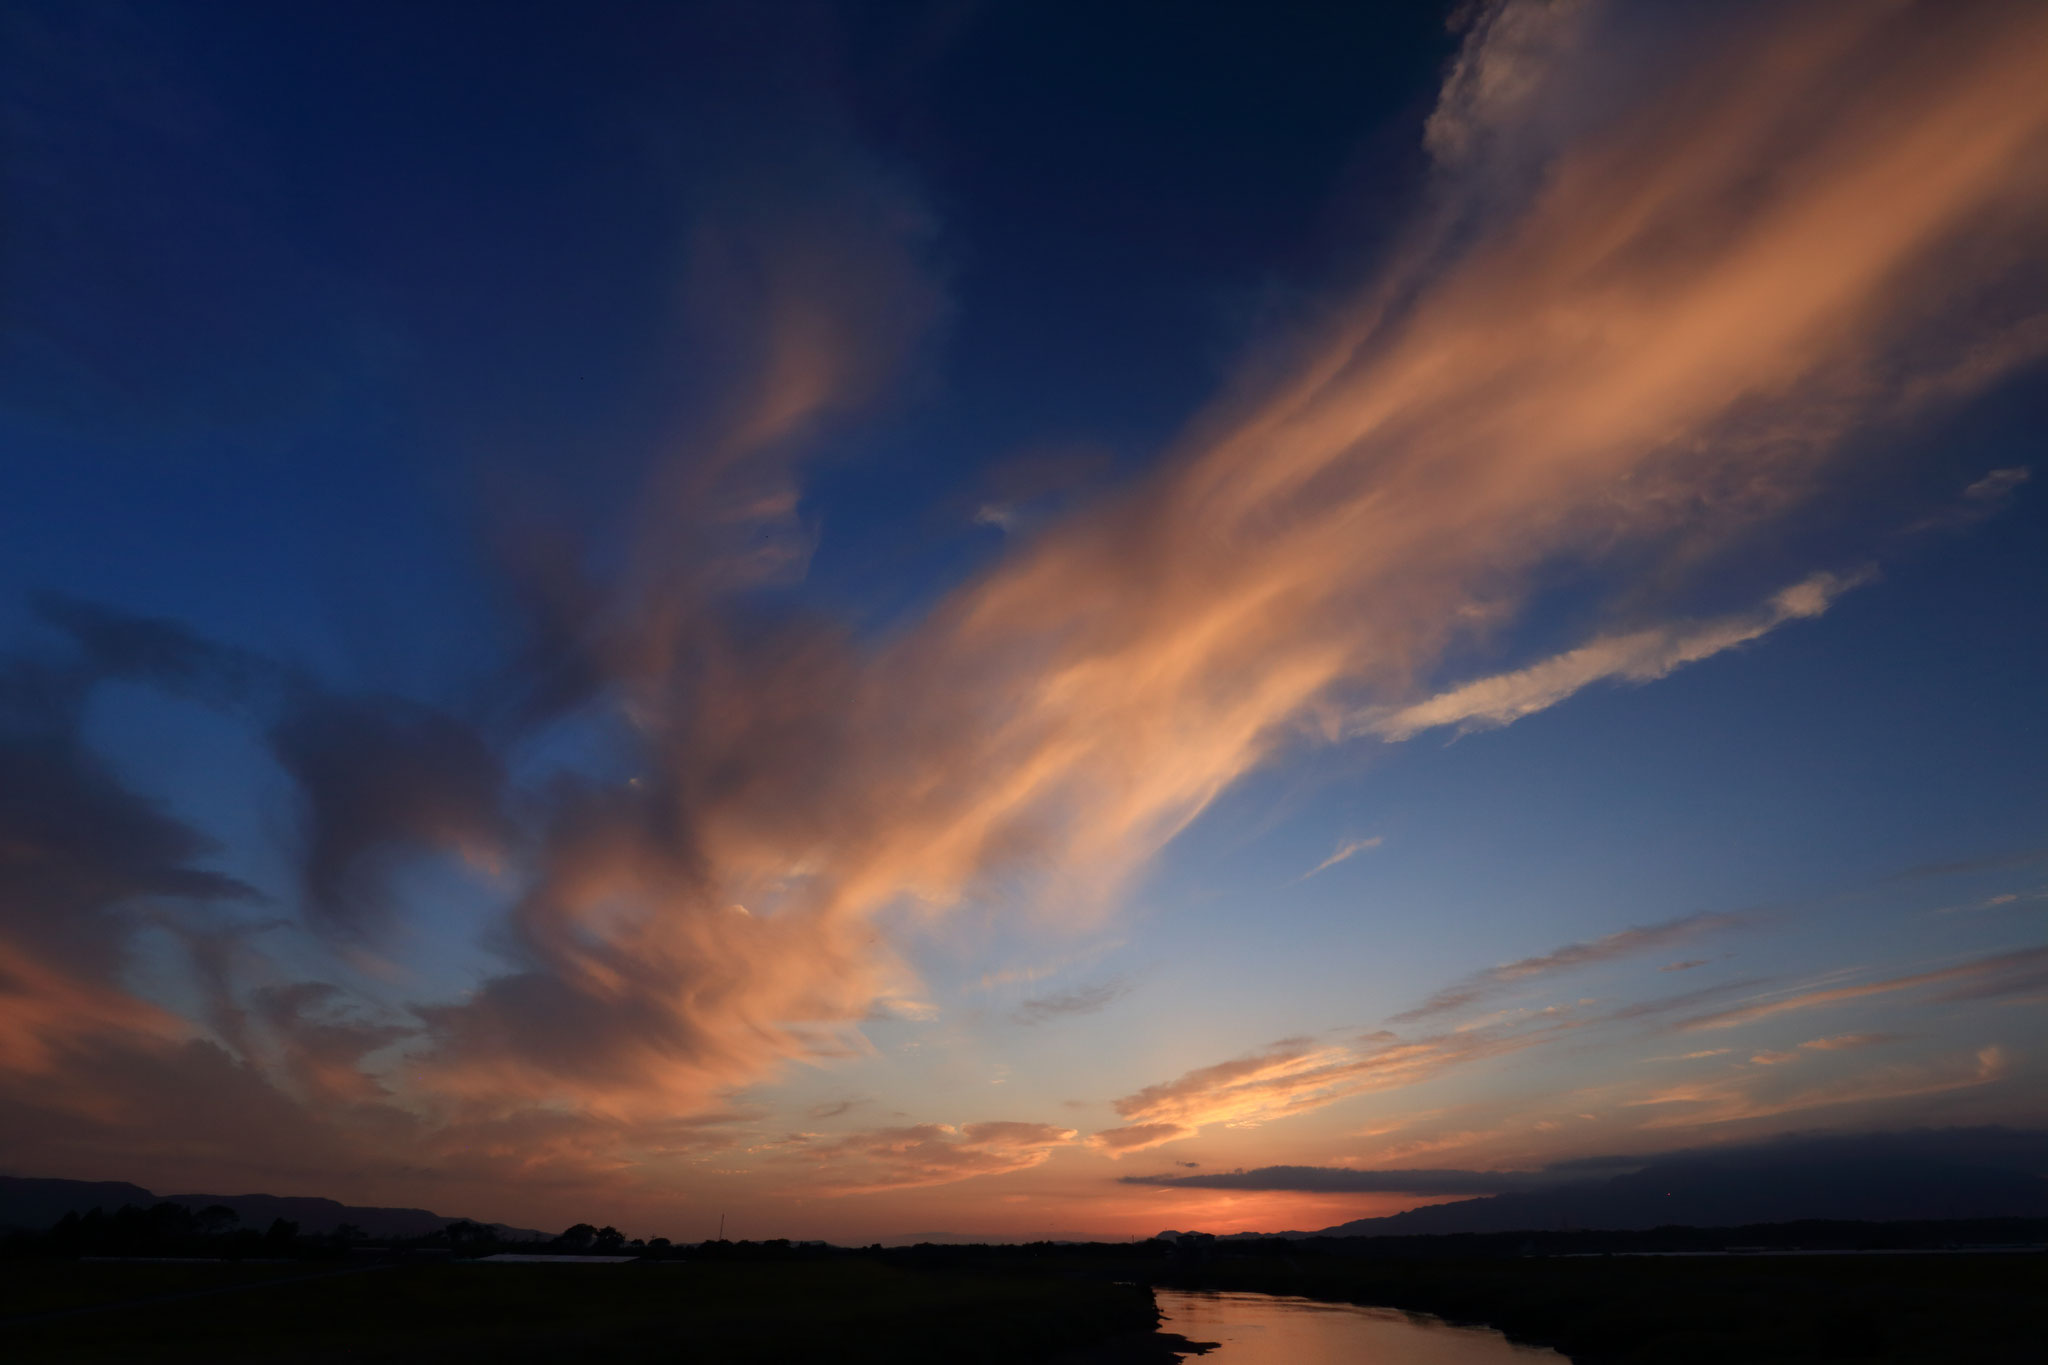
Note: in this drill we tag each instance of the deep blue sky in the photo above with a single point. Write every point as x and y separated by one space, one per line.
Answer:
409 355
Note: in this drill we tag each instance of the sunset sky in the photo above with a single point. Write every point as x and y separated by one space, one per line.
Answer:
949 619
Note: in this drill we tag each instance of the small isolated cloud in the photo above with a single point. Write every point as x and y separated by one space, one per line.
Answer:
1705 1052
1344 850
1980 501
1998 484
1997 902
1623 943
1638 656
1684 966
1081 1000
1139 1137
892 1009
1843 1042
834 1109
1774 1058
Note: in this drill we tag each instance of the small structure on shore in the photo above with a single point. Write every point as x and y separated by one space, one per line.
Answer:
513 1258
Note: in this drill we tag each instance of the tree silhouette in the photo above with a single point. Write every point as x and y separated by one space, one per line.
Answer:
610 1239
577 1238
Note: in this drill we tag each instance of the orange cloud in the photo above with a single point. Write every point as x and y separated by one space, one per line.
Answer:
1662 323
1656 320
1293 1077
932 1154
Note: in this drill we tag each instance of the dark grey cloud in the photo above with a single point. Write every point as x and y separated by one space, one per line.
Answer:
1080 1000
117 645
1989 862
1980 501
2019 1150
833 1109
382 777
83 852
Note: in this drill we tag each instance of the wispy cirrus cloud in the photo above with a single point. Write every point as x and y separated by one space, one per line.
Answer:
1610 947
1345 850
1633 310
1292 1077
1637 656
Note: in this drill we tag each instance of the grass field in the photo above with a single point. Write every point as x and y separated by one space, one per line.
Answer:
841 1310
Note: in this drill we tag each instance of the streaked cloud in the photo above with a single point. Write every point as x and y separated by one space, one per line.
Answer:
1999 974
1737 1098
1346 849
1638 656
1292 1077
1086 999
1623 943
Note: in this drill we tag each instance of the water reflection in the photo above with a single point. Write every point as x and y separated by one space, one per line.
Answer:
1264 1329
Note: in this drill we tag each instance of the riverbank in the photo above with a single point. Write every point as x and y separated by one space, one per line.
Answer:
1135 1348
1629 1310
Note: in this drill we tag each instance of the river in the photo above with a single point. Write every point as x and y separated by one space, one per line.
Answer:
1265 1329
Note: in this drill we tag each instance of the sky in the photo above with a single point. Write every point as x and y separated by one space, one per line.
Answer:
914 621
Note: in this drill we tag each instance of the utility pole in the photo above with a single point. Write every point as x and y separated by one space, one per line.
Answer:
721 1227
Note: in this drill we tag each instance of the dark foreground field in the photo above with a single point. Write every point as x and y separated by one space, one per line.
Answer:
1020 1304
841 1310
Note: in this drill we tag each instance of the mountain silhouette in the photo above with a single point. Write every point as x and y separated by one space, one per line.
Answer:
1877 1177
27 1202
1706 1194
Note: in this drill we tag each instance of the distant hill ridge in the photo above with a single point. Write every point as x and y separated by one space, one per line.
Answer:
34 1203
